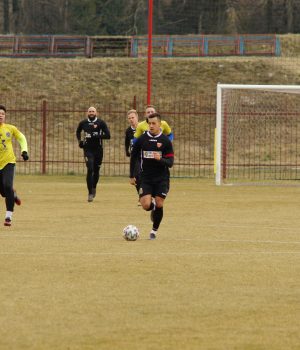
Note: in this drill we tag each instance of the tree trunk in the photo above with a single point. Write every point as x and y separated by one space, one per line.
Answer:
290 15
66 16
6 16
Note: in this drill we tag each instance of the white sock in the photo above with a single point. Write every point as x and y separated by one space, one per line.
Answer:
8 214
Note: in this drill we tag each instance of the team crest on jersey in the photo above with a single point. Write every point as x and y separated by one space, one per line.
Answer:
7 134
159 144
95 126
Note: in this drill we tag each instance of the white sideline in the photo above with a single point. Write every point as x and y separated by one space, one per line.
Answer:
148 254
84 238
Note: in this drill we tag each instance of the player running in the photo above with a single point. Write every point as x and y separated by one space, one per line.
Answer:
157 156
95 130
8 162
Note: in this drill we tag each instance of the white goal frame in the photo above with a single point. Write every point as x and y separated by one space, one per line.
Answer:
218 134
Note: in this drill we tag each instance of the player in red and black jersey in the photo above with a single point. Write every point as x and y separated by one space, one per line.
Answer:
156 156
95 130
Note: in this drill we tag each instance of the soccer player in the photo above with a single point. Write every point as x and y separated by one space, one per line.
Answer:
133 119
157 156
143 126
8 162
95 130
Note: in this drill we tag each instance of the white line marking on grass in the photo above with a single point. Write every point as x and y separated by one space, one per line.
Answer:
237 241
255 241
187 239
251 226
148 254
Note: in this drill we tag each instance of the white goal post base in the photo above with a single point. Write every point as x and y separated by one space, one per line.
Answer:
257 134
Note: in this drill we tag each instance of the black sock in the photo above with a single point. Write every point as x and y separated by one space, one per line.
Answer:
157 217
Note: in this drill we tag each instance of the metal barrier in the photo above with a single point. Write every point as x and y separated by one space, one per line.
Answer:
207 45
44 46
163 46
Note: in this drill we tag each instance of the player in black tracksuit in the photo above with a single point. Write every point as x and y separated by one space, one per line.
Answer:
95 130
132 117
157 156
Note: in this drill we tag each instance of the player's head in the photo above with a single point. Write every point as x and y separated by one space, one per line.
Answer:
154 121
132 117
92 113
2 113
150 109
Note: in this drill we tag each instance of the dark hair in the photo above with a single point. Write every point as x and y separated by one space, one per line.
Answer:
3 108
154 115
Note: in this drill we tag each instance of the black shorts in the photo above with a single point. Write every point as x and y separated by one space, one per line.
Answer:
93 158
156 189
7 178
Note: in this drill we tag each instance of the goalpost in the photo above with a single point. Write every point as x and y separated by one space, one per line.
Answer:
257 134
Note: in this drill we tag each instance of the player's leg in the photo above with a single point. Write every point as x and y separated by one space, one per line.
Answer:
157 213
145 194
1 185
146 203
89 161
160 193
96 174
7 186
137 186
137 176
17 198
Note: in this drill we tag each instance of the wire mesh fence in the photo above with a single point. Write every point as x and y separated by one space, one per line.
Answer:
50 131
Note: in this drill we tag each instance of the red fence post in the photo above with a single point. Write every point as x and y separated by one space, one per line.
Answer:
44 136
150 29
134 102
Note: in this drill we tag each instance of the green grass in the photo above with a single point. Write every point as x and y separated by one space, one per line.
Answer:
223 273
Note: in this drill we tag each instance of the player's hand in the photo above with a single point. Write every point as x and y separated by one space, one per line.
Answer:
132 181
25 156
157 155
81 144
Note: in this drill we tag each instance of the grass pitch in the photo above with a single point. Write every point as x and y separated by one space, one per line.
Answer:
223 273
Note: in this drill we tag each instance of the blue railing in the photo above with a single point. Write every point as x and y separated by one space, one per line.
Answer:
207 45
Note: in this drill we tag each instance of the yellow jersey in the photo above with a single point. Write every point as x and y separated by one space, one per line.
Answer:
7 132
144 126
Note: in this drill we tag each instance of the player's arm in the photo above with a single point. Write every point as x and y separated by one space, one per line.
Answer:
127 143
78 135
138 132
171 136
136 149
168 131
105 134
168 156
23 144
78 131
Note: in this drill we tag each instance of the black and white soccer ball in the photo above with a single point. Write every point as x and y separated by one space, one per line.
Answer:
131 233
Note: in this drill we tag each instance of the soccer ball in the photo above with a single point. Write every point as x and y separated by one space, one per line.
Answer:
131 233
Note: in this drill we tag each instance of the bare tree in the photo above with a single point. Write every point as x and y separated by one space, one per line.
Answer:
290 15
6 28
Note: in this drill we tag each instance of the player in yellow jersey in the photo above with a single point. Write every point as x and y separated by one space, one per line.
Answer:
8 162
144 126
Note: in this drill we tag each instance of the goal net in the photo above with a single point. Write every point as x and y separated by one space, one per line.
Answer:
257 134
